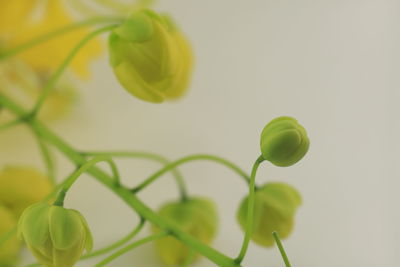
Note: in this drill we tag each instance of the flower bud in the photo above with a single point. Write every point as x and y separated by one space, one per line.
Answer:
150 57
197 217
56 236
10 248
20 187
275 205
284 141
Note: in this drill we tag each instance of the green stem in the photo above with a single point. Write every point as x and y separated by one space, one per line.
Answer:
60 70
6 236
10 124
47 158
151 156
281 249
116 244
183 160
135 203
250 211
84 168
132 246
58 32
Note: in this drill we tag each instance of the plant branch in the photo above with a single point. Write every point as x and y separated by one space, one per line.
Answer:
151 156
53 34
186 159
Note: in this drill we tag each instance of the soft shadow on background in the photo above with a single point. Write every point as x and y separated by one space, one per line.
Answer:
334 65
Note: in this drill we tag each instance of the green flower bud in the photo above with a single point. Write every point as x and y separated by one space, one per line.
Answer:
275 205
10 248
21 187
284 141
150 57
56 236
197 217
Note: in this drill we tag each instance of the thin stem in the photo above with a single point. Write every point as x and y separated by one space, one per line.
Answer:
47 158
183 160
132 246
281 249
131 200
56 75
250 212
53 34
84 168
151 156
10 124
6 236
116 244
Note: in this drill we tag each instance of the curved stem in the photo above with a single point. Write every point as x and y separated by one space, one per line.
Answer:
132 246
84 168
6 236
116 244
48 160
183 160
10 124
131 200
48 36
281 249
56 75
250 211
151 156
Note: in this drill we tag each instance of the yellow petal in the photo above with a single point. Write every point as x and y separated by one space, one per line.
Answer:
13 14
49 55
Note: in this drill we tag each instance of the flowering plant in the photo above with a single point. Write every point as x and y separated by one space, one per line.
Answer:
152 59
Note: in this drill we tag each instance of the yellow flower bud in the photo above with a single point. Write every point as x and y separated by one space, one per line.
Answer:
275 205
56 236
284 141
197 217
10 248
150 57
20 187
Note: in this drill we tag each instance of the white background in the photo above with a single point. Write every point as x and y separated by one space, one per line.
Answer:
334 65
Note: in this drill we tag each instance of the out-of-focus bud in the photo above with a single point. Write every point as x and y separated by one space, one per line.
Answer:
20 187
10 248
284 141
197 217
56 236
150 57
274 208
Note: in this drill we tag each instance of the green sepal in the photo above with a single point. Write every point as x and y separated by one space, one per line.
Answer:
65 228
137 28
35 225
284 141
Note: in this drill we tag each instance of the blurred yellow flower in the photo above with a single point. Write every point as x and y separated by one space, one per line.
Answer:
9 249
19 81
21 187
22 20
